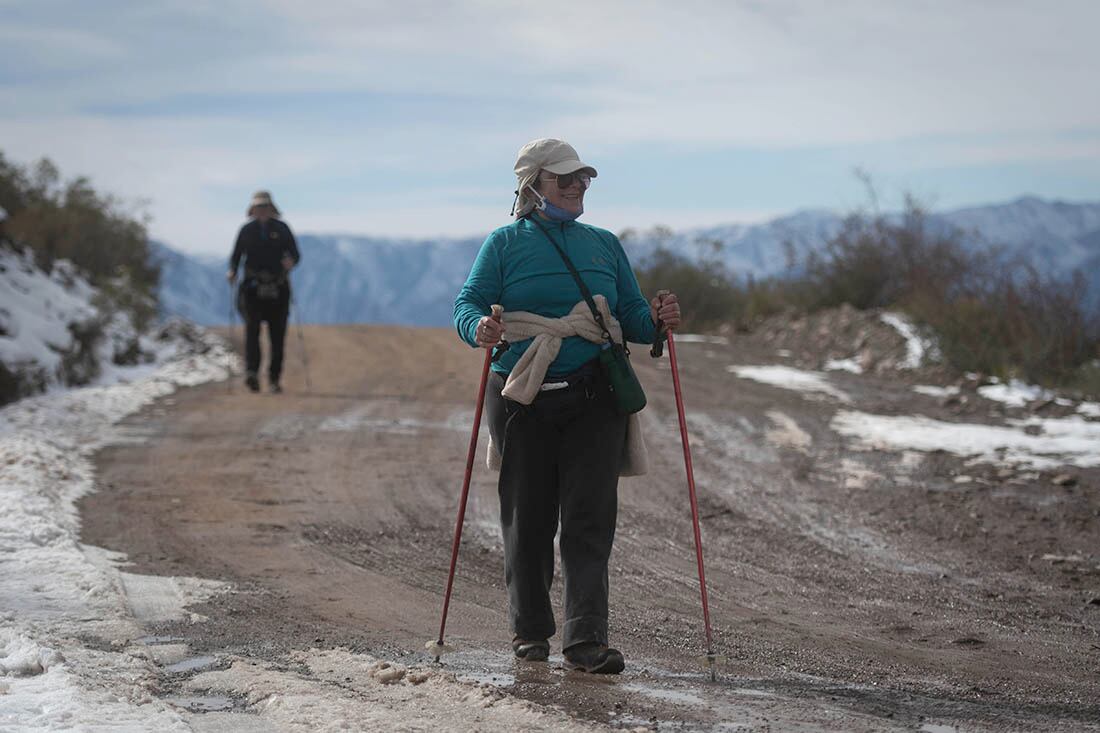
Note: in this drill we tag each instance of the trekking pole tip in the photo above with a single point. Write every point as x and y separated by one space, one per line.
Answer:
710 662
437 649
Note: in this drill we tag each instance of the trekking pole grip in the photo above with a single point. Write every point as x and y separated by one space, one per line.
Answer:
659 338
500 347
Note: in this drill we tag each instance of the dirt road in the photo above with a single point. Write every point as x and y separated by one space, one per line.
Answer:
849 590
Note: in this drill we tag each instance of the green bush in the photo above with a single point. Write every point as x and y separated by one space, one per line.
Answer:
70 220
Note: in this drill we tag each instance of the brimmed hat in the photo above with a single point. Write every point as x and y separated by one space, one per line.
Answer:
262 198
544 154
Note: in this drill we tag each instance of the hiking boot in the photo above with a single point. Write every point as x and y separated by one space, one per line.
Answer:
594 658
531 651
275 388
253 382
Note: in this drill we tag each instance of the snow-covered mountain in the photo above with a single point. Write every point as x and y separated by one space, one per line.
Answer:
1057 236
1060 236
347 279
342 279
745 249
360 279
192 287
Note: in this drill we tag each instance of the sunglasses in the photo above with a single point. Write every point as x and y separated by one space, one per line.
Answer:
565 180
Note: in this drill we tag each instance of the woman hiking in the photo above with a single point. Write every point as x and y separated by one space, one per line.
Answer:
560 434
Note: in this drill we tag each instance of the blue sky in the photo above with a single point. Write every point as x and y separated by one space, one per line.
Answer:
404 118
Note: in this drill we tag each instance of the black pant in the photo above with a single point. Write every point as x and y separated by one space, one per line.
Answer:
255 310
560 456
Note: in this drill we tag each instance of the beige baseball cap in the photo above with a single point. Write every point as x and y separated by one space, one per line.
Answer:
546 153
262 198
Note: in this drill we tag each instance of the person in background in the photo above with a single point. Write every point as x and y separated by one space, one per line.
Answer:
551 414
269 251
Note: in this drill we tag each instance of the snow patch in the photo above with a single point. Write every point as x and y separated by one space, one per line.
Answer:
916 348
22 657
843 365
37 310
156 599
1015 393
1019 394
1056 441
697 338
798 380
934 391
53 589
360 692
89 691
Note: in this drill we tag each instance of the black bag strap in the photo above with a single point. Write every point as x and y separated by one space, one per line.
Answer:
583 288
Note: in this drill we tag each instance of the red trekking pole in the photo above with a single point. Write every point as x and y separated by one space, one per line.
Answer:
710 659
437 647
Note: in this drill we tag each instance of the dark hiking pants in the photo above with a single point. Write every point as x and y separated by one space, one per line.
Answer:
560 458
255 311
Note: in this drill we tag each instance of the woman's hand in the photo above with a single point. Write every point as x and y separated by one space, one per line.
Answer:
666 309
489 332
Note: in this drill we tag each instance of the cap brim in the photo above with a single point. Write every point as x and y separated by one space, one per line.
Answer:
569 166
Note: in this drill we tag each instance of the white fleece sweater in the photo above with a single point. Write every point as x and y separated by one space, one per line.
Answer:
529 372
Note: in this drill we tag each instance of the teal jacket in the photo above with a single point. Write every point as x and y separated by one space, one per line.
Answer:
521 271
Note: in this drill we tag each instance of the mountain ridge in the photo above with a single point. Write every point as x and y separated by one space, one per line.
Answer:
412 281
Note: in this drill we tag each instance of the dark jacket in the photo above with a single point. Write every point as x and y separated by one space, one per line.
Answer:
263 249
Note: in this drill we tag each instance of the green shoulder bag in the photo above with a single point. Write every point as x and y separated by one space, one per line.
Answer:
614 358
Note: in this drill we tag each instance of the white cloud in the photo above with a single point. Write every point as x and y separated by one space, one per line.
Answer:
781 74
614 77
978 152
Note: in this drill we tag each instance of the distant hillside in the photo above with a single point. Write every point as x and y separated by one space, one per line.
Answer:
192 287
346 279
341 280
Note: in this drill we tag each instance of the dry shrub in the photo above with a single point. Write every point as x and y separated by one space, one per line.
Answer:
993 313
706 293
